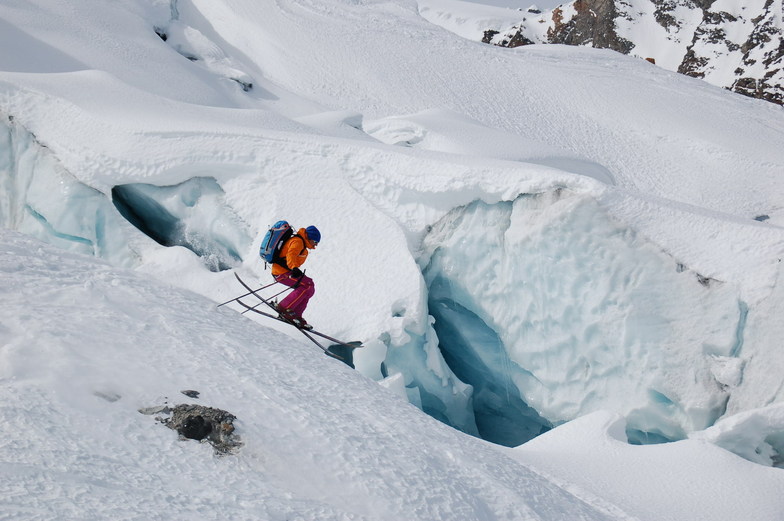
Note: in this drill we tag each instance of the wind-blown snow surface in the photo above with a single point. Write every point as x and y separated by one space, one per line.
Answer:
320 440
592 218
315 445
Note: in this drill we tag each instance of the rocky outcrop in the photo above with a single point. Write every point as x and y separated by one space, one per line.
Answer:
592 24
197 422
741 50
515 40
755 57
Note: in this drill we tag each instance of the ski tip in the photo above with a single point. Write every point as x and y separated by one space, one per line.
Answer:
353 345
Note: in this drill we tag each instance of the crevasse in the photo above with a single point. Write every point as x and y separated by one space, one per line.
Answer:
39 197
550 310
543 308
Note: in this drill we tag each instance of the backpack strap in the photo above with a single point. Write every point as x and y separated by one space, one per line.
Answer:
280 260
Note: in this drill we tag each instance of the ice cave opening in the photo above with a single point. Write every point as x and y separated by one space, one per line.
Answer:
191 214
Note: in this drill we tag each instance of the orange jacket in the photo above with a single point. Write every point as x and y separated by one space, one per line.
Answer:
295 251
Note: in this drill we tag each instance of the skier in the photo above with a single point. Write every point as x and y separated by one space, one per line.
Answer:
293 254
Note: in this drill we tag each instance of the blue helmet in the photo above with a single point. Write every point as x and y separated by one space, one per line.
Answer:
313 234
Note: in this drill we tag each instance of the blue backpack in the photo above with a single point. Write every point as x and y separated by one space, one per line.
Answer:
273 241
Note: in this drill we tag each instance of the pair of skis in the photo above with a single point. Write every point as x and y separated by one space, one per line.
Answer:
346 347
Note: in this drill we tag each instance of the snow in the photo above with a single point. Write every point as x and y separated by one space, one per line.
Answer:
727 43
470 19
540 239
666 45
737 26
653 471
315 445
754 434
319 441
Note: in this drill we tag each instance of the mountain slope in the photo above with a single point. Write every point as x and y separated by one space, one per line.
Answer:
737 46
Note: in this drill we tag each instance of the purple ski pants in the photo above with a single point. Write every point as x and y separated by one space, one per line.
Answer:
297 300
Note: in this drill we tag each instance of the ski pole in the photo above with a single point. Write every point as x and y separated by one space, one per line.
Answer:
248 293
252 308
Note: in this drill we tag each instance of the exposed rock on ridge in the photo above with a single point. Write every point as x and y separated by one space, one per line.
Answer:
732 45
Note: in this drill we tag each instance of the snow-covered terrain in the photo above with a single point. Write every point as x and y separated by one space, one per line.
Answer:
549 240
732 44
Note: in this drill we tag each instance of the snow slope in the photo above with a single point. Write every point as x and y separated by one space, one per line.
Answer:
315 445
85 345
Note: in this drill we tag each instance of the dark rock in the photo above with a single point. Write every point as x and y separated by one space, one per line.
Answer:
488 36
195 428
247 86
693 65
518 40
594 24
760 44
513 38
197 422
663 14
190 393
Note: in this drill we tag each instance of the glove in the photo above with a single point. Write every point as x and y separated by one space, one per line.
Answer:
296 272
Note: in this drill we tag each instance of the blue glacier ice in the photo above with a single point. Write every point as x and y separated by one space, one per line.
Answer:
42 199
190 214
477 356
541 309
550 310
429 382
39 197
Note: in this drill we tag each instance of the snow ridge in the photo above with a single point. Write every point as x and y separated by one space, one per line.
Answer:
729 44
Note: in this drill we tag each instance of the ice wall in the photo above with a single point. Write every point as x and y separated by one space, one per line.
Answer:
551 310
40 198
429 382
477 356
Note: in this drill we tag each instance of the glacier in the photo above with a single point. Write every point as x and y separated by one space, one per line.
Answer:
85 345
39 197
598 304
534 311
554 310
